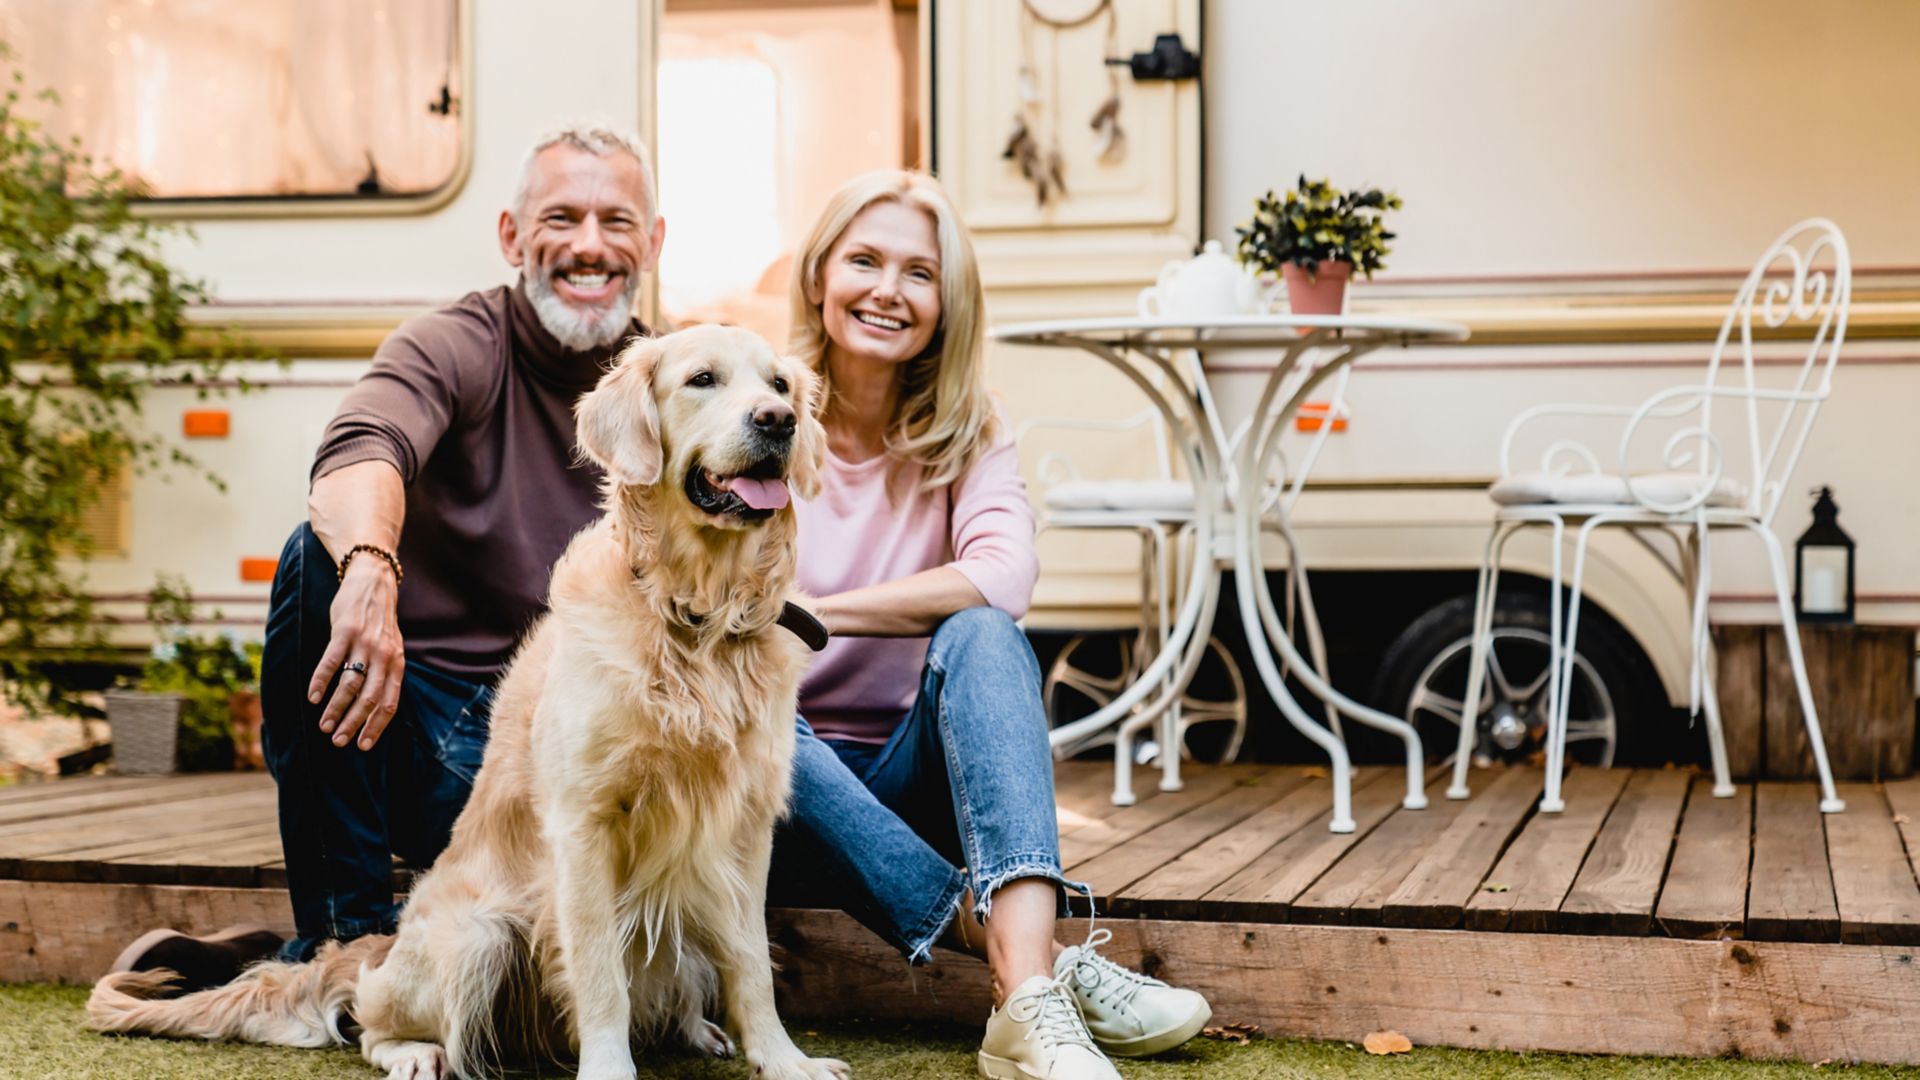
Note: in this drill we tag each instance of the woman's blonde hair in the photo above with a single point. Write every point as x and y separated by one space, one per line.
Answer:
944 419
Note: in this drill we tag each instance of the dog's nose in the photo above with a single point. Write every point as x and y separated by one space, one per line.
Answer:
776 419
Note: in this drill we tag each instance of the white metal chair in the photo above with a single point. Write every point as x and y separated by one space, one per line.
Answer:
1717 470
1160 512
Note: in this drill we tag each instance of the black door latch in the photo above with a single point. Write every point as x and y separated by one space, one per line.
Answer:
1167 60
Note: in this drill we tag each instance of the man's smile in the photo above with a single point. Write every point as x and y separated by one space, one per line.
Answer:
591 287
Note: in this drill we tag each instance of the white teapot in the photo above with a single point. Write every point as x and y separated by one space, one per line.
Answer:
1210 285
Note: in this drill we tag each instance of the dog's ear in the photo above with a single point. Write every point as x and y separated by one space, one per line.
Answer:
810 442
619 423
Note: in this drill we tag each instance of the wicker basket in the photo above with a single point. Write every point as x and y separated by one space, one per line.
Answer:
146 730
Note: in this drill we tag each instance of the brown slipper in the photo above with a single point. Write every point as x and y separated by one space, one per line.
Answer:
202 962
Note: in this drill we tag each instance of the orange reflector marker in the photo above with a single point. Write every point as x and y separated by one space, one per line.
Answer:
205 423
1314 413
254 568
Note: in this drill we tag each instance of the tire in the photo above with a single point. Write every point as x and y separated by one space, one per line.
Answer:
1617 697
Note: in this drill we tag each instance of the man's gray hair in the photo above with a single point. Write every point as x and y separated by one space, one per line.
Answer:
595 137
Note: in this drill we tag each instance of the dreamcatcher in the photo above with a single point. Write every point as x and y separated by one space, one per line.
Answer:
1039 161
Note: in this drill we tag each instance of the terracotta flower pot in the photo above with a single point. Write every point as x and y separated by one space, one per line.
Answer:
1323 292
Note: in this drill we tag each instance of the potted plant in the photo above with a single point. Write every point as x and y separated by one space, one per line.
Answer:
180 712
1315 238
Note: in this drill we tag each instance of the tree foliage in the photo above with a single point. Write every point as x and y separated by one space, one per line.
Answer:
91 318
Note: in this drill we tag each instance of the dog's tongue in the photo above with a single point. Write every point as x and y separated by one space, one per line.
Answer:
760 494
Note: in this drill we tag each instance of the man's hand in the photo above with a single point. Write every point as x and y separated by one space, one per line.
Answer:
362 503
366 650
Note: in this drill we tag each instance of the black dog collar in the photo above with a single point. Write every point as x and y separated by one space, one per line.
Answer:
804 626
811 631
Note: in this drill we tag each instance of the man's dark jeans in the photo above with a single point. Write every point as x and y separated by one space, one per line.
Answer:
345 812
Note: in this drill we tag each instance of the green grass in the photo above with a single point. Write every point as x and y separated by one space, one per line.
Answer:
41 1037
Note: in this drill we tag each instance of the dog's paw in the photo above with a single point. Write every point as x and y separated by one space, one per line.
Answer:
804 1068
414 1061
711 1039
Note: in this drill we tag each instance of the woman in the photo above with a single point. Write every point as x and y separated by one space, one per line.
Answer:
928 792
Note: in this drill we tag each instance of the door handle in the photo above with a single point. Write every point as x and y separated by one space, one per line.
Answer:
1168 60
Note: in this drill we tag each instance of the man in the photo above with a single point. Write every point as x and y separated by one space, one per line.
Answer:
450 464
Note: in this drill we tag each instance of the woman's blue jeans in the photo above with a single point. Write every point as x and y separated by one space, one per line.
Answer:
960 797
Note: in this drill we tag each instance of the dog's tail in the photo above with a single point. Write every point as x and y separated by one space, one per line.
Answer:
279 1003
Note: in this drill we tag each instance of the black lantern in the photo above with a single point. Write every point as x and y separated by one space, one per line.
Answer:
1823 566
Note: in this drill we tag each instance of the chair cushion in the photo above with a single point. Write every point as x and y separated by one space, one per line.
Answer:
1170 496
1610 489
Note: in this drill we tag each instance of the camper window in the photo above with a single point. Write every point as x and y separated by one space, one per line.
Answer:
257 99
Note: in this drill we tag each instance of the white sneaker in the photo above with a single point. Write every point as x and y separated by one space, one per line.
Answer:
1039 1035
1128 1014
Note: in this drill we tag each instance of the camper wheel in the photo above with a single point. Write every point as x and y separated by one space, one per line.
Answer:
1614 689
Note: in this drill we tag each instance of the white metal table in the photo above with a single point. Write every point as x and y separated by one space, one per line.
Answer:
1312 349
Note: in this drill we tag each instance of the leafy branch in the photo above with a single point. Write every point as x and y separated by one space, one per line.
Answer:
91 318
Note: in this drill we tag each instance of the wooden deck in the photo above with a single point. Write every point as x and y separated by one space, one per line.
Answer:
1647 918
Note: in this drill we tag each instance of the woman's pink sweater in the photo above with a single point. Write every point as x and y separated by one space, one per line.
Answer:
854 535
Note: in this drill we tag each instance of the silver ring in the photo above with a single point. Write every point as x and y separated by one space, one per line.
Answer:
358 667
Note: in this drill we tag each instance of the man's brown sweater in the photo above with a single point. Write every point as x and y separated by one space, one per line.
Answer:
473 404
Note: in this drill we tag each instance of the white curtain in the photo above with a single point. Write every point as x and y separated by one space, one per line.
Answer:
224 98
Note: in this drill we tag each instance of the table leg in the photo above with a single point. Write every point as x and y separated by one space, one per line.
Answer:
1263 626
1199 601
1190 656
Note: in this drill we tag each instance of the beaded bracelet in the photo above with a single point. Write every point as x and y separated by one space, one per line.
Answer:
399 575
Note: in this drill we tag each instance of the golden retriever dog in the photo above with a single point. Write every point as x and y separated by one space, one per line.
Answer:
607 879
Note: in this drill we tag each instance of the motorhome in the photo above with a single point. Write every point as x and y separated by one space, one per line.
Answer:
1584 188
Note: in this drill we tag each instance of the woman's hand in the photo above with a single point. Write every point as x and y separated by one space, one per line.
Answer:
366 649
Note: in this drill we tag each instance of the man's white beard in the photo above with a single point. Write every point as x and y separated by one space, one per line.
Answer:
574 328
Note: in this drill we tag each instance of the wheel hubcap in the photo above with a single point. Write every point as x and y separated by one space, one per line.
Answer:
1506 728
1512 712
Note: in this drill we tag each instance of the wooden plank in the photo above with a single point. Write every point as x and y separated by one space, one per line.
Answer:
1525 992
1706 891
71 933
1620 882
272 874
226 855
94 798
1740 652
1435 893
1524 890
34 790
1517 992
1790 897
1873 885
1903 798
177 805
1862 683
1119 867
1174 890
237 864
1128 822
1353 891
1083 792
107 827
1266 888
